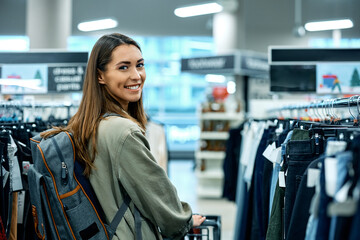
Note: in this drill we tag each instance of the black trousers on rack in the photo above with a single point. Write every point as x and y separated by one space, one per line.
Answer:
300 151
301 213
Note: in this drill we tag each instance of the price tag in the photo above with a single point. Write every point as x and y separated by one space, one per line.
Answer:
330 176
21 205
281 179
275 156
268 151
313 175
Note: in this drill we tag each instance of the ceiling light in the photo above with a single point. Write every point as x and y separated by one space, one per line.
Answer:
97 25
197 10
329 25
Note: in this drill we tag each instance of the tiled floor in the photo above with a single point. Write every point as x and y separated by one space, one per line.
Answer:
182 175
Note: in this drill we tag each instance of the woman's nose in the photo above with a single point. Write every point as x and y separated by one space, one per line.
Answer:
135 74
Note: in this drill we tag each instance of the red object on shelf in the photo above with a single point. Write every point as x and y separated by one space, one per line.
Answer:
220 93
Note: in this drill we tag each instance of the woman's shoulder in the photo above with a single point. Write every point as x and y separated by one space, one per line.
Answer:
114 123
118 126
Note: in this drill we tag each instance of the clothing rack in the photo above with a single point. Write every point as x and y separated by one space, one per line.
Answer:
327 107
324 104
20 106
276 160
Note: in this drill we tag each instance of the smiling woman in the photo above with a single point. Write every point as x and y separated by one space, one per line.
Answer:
109 136
125 75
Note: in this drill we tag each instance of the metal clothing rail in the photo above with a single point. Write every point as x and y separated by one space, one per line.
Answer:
20 106
353 101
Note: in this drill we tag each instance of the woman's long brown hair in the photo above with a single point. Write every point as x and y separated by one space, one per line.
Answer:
96 101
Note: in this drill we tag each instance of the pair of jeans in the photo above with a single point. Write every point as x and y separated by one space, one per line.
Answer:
249 144
300 214
276 222
275 227
231 163
300 151
324 221
269 168
340 226
276 170
258 230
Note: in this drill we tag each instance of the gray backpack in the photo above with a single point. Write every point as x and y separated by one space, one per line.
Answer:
64 205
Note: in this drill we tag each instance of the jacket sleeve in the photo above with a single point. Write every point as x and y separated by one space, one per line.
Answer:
150 189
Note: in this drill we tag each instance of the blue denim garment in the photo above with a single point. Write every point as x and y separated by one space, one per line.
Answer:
343 160
276 171
311 228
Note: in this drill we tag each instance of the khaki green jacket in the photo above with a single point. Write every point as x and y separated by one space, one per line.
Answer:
124 159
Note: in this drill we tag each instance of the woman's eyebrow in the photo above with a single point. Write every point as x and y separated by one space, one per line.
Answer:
128 62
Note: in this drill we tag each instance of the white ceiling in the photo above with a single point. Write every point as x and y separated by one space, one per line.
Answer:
156 18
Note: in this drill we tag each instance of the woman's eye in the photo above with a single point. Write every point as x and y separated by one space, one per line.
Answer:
140 65
123 67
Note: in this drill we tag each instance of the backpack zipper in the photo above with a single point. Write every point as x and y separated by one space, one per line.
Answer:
64 169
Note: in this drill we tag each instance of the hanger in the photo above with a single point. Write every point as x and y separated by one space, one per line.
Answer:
357 107
354 119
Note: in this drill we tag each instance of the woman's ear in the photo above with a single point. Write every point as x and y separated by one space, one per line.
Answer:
100 76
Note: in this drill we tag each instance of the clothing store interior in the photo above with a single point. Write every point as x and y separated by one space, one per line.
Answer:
253 106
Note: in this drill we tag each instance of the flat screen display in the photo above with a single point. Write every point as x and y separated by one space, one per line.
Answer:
293 78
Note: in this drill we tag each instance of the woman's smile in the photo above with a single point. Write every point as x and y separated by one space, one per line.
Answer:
133 87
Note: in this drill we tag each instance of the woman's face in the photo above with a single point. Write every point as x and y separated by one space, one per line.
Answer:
125 74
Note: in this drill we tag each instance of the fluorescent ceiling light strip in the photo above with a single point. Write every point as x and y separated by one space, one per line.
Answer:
329 25
97 25
197 10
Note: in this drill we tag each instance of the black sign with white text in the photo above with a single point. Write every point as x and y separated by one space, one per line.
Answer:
208 63
42 72
65 78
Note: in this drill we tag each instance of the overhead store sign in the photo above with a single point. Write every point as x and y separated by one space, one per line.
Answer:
240 63
42 72
65 79
217 63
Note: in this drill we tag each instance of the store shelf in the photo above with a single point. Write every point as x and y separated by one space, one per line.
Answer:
221 116
215 155
215 131
209 192
210 174
214 135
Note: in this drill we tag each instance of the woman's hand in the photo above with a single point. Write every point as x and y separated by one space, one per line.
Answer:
198 220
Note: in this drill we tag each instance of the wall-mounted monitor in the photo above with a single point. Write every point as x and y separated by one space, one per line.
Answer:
293 78
314 70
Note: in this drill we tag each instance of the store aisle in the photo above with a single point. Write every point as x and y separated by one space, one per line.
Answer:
182 175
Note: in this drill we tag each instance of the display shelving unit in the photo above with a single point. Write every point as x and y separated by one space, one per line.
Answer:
209 158
242 65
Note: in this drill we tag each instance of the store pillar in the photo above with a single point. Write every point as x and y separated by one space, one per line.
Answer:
229 37
48 23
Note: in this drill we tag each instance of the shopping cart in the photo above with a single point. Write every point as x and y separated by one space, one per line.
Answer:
210 229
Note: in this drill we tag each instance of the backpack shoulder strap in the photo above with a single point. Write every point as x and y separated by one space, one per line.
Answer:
111 114
120 214
137 223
